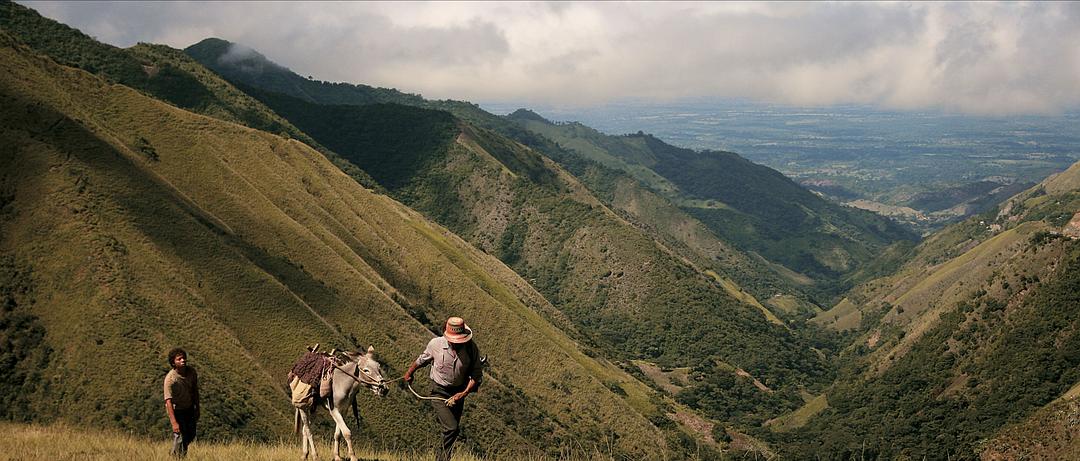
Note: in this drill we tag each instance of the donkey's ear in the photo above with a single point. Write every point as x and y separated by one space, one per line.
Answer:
370 351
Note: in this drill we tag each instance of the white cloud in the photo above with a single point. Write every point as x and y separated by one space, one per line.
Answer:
996 58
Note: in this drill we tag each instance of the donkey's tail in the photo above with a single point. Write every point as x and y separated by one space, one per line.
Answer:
355 412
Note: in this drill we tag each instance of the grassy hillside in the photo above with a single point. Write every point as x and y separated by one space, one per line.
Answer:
746 276
32 442
159 71
1049 433
605 177
976 332
628 295
625 293
754 207
130 226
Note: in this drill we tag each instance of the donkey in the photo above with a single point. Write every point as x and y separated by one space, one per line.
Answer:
358 369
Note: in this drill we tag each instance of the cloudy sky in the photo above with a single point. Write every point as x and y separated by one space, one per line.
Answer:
977 58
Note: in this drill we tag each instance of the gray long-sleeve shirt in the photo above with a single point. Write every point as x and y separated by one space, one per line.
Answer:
448 367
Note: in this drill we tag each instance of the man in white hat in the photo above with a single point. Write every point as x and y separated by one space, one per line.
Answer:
456 371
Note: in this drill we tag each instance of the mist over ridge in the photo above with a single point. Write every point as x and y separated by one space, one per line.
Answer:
975 58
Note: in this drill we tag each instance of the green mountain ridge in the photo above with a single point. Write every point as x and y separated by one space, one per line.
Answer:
158 71
131 226
745 270
754 207
628 295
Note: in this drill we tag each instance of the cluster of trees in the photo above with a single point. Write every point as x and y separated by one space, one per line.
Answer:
391 142
23 351
986 364
771 214
724 396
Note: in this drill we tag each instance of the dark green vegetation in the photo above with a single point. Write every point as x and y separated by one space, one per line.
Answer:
978 331
985 364
982 195
389 141
25 352
772 215
251 68
754 208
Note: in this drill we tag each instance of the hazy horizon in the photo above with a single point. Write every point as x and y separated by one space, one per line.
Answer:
970 58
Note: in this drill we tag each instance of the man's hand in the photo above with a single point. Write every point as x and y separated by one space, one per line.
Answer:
408 373
175 427
454 399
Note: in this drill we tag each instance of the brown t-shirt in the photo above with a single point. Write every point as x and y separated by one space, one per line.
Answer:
181 389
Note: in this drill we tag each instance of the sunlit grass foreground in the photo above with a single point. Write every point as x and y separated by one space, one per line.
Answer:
61 442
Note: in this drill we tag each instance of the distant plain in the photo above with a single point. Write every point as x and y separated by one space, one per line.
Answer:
924 168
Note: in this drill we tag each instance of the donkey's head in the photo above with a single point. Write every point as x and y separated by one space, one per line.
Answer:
369 371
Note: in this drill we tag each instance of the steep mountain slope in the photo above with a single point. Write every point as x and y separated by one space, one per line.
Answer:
755 207
129 226
748 276
651 212
614 275
627 294
246 66
158 71
1052 432
979 329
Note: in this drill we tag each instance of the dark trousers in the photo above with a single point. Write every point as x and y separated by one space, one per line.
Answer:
449 419
186 419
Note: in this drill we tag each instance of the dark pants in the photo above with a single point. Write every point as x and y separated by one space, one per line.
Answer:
186 419
449 419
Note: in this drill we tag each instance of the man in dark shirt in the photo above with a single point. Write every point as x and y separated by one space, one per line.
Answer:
456 371
181 401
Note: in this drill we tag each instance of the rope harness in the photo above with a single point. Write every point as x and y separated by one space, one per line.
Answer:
372 382
439 399
308 364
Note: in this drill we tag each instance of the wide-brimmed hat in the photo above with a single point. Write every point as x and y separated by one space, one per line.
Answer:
457 331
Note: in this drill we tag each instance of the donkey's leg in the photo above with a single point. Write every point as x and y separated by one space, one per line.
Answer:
306 439
336 448
344 430
301 428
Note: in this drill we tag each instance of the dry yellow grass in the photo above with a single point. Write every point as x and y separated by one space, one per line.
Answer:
672 381
800 416
845 315
1068 180
736 292
36 442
